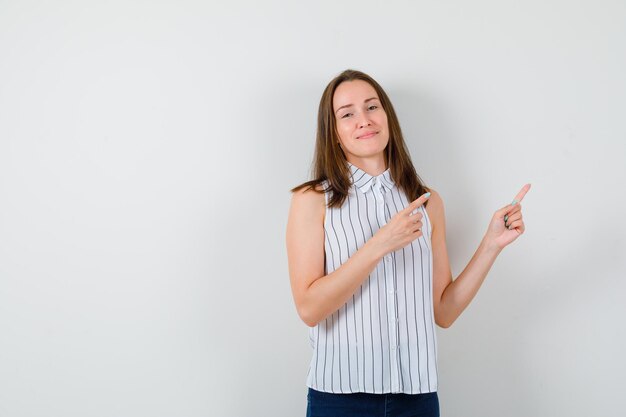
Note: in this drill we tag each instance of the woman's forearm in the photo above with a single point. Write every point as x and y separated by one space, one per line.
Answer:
459 293
328 293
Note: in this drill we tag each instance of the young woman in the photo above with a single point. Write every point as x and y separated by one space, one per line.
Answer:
368 263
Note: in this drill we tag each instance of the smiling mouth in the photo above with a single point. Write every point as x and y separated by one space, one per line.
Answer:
369 135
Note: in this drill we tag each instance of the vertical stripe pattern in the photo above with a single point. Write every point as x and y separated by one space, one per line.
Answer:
382 340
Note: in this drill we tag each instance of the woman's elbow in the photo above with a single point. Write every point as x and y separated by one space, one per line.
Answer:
443 322
310 323
308 318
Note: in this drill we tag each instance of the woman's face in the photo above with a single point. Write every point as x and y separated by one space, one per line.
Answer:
361 121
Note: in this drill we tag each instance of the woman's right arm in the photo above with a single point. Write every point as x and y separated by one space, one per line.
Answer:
317 295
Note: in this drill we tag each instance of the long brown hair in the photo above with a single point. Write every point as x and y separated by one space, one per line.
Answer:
330 162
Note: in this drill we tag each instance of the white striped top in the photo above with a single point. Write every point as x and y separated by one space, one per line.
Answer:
382 340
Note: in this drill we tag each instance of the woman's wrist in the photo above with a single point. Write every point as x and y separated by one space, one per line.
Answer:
375 248
490 245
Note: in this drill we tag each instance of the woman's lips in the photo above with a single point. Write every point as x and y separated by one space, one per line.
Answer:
367 135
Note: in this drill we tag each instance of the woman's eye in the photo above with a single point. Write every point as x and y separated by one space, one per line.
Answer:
373 106
346 115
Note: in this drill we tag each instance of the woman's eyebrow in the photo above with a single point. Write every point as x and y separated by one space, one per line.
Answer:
348 105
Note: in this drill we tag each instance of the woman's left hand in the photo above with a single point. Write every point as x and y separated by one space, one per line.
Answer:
507 224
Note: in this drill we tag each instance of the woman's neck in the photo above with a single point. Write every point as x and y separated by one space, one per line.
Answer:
373 166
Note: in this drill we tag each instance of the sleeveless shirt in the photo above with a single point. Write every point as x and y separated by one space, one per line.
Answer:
382 340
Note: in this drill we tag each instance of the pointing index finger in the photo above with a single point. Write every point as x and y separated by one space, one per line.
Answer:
521 194
416 203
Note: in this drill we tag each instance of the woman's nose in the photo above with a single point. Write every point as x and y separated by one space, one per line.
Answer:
364 121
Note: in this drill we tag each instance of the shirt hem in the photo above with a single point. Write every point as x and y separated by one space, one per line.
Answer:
373 392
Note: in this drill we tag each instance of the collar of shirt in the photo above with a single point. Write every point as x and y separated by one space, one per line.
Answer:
364 181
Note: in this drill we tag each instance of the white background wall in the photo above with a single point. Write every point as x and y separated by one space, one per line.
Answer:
146 153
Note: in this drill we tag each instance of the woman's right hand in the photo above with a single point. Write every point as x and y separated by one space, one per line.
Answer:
402 229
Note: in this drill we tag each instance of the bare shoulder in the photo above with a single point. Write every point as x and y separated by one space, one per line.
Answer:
435 208
308 204
305 238
308 198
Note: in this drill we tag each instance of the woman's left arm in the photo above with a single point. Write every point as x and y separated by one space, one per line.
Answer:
451 297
